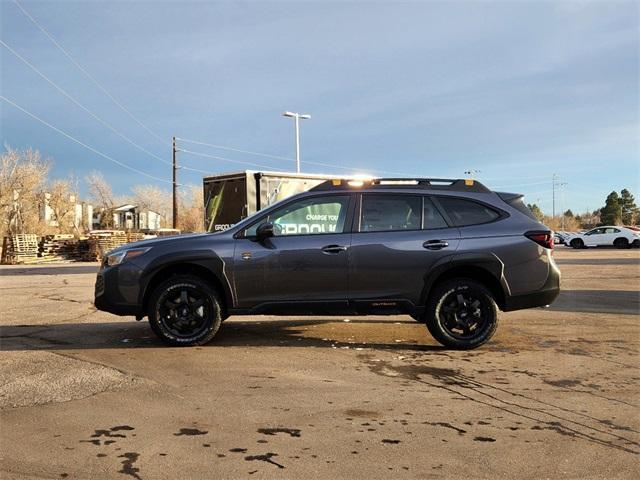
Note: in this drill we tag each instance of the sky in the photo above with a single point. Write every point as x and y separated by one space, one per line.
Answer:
518 91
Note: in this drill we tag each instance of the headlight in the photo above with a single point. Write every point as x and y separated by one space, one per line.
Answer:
124 255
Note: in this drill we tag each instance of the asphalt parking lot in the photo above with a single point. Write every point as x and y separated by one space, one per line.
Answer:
88 395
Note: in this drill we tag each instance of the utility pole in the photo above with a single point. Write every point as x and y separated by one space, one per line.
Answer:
553 196
556 183
297 117
175 187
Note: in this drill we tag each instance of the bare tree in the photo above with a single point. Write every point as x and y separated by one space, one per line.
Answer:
151 197
61 197
22 177
191 208
102 195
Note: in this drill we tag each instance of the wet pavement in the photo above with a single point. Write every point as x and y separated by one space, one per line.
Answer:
88 395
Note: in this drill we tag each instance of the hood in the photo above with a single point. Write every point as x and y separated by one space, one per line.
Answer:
153 242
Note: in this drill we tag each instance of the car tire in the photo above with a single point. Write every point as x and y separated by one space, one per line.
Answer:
621 243
577 243
461 313
185 311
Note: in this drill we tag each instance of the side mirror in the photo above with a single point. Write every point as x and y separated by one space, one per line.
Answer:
264 231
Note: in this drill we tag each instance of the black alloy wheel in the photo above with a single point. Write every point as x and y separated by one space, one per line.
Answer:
464 314
461 313
185 310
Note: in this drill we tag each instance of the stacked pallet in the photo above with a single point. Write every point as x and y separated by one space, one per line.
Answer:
102 242
135 236
57 247
26 248
65 247
20 248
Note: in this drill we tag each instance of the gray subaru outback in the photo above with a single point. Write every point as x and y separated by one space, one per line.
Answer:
450 253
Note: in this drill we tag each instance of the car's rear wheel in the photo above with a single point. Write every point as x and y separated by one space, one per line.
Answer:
621 243
577 243
461 313
185 310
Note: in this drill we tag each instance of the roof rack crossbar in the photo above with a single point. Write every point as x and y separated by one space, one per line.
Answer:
454 184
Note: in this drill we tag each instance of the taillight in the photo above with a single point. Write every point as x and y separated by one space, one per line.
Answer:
544 239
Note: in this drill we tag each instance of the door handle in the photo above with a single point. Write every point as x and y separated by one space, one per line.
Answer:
435 244
333 249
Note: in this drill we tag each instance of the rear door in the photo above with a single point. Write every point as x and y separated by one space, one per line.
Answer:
397 239
305 260
610 235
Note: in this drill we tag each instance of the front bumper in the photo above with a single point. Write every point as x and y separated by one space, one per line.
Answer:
540 298
117 290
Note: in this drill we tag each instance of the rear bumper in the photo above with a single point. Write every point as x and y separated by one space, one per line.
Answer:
545 296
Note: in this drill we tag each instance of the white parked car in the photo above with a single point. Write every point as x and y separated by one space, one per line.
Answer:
619 237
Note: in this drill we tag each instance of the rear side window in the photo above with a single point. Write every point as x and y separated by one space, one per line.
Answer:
466 212
432 217
384 213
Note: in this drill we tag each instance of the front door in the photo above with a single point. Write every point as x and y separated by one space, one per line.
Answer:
398 240
595 237
306 259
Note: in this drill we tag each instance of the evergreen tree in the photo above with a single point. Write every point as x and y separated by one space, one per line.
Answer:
610 213
568 213
535 209
629 210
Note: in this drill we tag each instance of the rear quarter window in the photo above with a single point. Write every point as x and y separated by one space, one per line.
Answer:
467 212
518 204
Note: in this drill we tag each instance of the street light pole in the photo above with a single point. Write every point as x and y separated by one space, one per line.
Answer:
297 117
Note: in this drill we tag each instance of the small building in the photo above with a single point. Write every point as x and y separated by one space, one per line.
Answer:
79 214
132 217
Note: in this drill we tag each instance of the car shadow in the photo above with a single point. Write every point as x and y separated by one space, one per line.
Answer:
598 301
598 261
49 270
235 333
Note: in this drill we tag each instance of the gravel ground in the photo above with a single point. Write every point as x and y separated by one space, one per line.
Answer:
84 394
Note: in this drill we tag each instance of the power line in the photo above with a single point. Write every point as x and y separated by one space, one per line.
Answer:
87 74
133 169
356 168
64 92
521 184
278 157
200 154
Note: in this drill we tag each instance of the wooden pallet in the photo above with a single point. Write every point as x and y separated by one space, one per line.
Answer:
20 248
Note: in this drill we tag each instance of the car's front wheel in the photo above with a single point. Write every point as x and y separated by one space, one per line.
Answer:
185 310
461 313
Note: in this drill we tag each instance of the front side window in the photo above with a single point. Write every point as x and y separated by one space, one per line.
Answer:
466 212
384 213
596 231
310 216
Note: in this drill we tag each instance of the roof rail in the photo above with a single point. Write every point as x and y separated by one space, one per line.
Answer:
450 184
